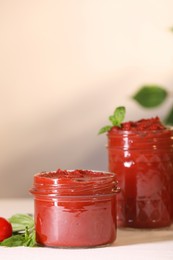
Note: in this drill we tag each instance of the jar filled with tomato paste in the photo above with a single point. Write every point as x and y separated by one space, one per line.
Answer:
141 155
75 208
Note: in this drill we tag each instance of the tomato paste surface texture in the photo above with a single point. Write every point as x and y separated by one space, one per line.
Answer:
141 154
75 208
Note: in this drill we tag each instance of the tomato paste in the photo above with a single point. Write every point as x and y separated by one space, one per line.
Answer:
141 155
75 208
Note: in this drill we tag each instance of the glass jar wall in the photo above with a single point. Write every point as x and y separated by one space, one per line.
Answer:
143 163
75 208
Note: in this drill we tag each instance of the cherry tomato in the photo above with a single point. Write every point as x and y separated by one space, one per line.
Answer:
5 229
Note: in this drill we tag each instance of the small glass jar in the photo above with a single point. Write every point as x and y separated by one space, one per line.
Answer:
75 208
143 163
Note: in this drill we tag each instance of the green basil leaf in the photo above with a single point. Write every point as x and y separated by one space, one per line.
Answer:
24 239
104 129
29 238
119 115
113 119
15 240
169 118
116 119
150 96
23 231
21 221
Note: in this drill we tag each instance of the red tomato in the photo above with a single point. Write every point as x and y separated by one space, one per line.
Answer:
5 229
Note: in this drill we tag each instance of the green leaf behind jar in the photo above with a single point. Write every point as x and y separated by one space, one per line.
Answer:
150 96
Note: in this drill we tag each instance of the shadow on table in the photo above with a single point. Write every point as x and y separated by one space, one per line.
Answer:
130 236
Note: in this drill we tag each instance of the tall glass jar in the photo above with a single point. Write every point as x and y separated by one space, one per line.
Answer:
75 208
143 163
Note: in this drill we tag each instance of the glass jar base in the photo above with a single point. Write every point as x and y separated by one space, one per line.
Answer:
77 247
153 225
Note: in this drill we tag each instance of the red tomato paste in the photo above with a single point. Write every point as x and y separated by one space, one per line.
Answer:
141 155
75 208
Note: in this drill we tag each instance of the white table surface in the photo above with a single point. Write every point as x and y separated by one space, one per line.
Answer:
133 244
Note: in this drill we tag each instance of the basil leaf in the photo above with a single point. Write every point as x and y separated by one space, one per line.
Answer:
24 239
113 119
29 238
23 231
116 119
104 129
119 115
150 96
15 240
169 118
21 221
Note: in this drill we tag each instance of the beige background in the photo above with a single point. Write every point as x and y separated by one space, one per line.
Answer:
64 66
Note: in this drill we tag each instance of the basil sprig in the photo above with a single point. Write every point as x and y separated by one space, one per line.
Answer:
116 119
23 231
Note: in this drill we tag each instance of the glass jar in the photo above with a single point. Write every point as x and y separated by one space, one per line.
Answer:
143 163
75 208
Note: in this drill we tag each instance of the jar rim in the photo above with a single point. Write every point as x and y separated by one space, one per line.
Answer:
53 175
89 183
119 131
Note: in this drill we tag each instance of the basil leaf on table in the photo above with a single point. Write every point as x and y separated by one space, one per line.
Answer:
23 231
24 239
20 221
